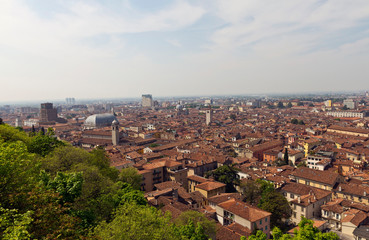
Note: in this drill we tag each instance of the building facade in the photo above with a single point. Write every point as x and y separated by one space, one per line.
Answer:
48 113
147 100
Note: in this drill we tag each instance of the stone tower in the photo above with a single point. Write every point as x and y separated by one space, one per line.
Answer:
209 116
115 132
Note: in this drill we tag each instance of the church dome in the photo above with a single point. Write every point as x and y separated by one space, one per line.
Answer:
100 120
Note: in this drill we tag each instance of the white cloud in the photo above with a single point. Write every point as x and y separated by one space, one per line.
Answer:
255 21
174 42
262 46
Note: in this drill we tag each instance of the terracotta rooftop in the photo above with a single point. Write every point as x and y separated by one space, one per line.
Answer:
208 186
197 178
223 197
168 184
244 210
316 175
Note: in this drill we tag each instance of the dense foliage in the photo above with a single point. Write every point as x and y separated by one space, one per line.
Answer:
226 174
263 194
51 190
305 231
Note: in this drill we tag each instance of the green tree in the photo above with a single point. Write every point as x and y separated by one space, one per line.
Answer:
130 175
232 116
68 185
196 217
280 105
190 232
294 121
275 203
51 220
99 189
127 194
43 144
285 157
306 230
251 191
258 236
16 169
301 122
14 225
139 222
226 174
263 194
11 134
289 105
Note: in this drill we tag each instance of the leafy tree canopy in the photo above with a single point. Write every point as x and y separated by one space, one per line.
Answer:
226 174
130 175
209 226
306 230
263 194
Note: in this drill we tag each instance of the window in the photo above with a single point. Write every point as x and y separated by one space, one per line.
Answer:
294 207
337 216
266 227
302 209
261 222
292 196
266 219
294 215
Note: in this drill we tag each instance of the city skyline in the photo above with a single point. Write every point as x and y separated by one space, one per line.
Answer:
123 49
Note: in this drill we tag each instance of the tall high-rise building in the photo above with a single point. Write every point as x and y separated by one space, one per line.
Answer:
209 116
147 100
48 113
70 101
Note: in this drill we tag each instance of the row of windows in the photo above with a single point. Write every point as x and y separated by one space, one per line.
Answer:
326 213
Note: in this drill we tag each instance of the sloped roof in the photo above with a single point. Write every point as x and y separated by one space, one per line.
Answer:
244 210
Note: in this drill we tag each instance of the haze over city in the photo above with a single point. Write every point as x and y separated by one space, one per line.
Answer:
116 49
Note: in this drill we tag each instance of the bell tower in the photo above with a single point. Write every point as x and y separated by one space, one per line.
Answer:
209 116
115 132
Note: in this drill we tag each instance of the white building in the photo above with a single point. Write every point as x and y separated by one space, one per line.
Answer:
347 114
147 100
317 162
349 103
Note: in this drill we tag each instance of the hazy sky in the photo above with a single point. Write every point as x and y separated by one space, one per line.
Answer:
52 49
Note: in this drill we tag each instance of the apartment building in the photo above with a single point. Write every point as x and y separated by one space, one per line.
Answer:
305 200
355 192
349 131
235 211
325 180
